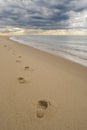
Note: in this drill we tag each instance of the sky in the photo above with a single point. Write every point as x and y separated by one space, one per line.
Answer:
44 14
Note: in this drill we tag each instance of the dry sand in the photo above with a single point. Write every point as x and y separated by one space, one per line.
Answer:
39 91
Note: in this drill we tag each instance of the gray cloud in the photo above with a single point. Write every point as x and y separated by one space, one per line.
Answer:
45 14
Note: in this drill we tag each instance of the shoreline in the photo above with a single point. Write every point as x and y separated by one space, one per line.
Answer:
68 56
29 76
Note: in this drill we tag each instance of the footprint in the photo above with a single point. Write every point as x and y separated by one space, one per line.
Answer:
13 53
18 61
5 45
19 56
21 80
26 68
41 108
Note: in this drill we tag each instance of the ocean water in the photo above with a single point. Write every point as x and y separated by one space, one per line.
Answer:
70 47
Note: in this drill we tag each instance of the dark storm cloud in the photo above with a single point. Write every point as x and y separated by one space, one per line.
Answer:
45 14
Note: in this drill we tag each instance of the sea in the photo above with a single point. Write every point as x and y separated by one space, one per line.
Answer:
73 48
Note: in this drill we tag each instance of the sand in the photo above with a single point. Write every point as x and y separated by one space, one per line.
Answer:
39 91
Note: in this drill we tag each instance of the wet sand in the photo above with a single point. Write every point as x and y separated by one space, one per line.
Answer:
39 91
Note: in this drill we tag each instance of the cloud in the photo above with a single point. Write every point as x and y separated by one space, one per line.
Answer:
78 19
44 14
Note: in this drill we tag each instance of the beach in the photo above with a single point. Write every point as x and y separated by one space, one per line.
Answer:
40 91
